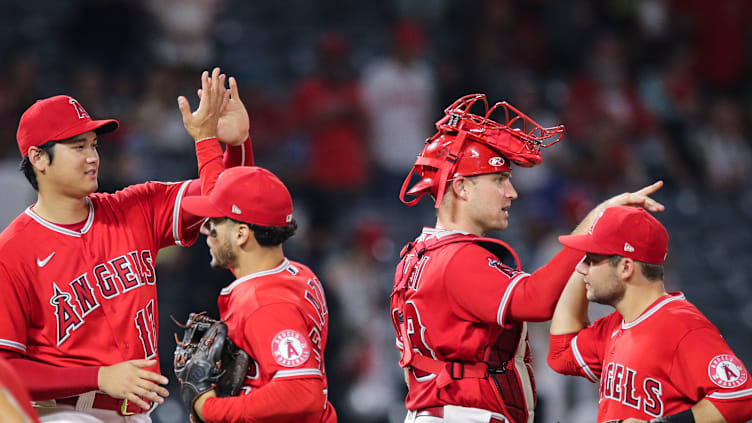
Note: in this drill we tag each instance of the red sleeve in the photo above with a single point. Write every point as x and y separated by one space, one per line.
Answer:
586 348
560 357
279 400
240 155
487 290
45 381
265 329
478 284
704 366
15 303
209 158
534 299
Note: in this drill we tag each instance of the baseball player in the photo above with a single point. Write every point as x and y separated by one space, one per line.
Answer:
657 358
459 312
77 279
15 404
275 310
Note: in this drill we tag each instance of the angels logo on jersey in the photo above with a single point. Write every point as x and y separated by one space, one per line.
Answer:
290 348
727 371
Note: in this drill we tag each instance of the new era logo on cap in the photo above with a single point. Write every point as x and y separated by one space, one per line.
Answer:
625 231
236 209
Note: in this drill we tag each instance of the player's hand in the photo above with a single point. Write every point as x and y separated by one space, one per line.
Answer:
200 402
633 420
234 123
131 380
214 98
639 198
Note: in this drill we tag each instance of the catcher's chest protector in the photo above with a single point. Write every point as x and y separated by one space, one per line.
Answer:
507 360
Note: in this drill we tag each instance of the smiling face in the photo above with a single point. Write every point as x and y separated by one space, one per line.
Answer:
602 282
489 198
74 170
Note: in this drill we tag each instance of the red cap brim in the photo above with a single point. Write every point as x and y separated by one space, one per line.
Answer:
201 206
99 126
584 243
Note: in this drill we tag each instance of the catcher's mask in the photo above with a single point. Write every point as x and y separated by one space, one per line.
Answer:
467 144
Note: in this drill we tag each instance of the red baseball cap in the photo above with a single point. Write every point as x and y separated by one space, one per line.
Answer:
54 119
247 194
625 231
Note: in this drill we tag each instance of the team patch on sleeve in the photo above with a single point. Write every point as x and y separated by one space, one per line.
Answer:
727 371
290 348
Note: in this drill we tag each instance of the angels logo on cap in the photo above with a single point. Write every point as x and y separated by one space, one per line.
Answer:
290 348
727 371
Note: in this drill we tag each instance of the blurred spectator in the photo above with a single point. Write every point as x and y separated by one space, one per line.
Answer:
185 29
328 111
399 95
358 275
723 149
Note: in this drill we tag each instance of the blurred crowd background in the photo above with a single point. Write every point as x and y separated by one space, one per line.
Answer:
342 96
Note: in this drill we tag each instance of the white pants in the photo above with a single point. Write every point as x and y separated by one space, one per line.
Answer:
62 413
455 414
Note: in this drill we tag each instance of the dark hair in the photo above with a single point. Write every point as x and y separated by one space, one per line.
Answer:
28 169
270 236
652 272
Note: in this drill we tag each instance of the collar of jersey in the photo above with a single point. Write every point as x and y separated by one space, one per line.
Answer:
440 233
226 290
652 310
57 228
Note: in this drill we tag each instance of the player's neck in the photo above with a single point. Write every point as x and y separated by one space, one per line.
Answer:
61 209
258 260
638 300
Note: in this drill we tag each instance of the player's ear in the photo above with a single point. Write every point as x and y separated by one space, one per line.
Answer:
626 268
38 158
459 187
243 234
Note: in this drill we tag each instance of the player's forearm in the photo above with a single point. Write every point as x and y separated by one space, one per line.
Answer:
280 399
209 158
570 315
46 381
239 155
534 299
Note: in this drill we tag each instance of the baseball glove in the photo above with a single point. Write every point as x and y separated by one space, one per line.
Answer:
207 359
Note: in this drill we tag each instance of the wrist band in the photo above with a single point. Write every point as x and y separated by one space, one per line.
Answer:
204 139
685 416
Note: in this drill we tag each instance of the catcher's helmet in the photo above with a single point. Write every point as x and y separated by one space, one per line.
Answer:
467 144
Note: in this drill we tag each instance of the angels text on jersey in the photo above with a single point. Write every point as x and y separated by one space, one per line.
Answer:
73 300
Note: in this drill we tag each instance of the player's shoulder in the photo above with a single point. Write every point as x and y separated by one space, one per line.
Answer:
18 233
130 191
285 283
680 313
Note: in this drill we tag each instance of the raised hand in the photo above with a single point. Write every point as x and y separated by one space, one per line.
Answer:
234 123
213 100
639 198
131 380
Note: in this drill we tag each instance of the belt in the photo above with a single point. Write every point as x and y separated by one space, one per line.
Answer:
106 402
439 412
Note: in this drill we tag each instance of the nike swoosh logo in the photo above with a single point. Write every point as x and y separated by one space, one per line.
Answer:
42 263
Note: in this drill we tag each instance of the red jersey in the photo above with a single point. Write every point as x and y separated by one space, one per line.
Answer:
280 318
89 297
662 363
450 304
